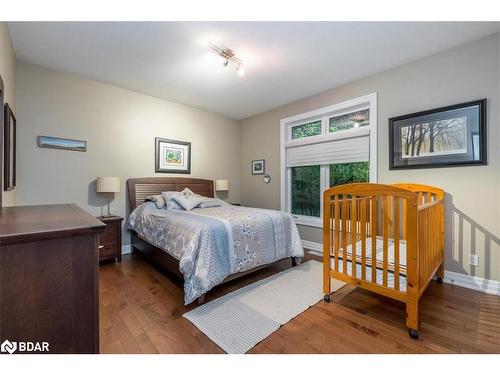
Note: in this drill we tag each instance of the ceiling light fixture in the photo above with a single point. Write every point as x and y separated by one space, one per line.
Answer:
229 57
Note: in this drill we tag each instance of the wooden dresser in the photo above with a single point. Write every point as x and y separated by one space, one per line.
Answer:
49 277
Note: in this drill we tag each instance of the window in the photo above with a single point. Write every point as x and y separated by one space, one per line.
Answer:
306 130
350 121
325 148
348 173
306 190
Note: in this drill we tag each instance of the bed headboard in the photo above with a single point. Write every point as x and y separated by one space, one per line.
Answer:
140 188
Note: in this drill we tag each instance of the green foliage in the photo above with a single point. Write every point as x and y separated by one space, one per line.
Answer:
306 185
306 190
347 173
306 130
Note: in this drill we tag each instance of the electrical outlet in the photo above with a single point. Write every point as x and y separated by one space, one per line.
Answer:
474 260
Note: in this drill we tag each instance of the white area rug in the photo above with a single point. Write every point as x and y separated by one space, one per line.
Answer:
239 320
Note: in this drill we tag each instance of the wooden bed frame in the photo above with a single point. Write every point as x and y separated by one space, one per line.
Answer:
411 212
140 188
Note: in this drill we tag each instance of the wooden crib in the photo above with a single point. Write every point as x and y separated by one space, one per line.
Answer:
388 239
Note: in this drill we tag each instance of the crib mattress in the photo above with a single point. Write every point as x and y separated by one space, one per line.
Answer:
379 259
380 250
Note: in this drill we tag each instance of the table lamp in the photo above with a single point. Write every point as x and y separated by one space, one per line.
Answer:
221 185
108 185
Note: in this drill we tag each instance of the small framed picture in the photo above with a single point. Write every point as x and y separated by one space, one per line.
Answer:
440 137
258 166
172 156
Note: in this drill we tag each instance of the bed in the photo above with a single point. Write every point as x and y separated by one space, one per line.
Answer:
388 239
206 247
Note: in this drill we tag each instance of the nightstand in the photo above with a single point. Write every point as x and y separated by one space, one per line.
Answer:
110 240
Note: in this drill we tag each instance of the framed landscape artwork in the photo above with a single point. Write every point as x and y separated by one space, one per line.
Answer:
172 156
44 141
447 136
258 166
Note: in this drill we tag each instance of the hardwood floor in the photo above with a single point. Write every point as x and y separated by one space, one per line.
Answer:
141 311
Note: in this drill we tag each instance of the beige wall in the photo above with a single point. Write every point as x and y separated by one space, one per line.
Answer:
473 203
8 73
120 127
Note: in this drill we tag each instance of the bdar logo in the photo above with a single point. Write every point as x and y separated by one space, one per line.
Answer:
9 347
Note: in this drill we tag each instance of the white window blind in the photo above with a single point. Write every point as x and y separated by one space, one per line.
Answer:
330 152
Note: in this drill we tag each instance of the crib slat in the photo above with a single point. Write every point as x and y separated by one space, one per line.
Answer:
337 231
332 234
353 236
389 215
385 240
344 209
405 208
374 238
396 243
363 237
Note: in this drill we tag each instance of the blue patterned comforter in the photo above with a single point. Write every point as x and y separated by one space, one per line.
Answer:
213 243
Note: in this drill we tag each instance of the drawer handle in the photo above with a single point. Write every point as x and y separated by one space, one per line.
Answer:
101 246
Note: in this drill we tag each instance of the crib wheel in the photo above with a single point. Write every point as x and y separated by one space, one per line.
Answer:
439 280
327 298
413 333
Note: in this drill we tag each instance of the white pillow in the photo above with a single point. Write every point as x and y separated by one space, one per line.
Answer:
187 201
169 194
210 202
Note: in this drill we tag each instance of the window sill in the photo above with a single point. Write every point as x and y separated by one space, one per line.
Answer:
308 222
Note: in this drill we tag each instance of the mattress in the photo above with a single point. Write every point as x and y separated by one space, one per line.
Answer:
213 243
379 261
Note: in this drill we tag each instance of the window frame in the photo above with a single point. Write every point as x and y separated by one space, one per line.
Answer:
324 114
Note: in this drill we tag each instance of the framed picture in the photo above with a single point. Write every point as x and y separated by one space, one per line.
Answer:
441 137
44 141
258 166
172 156
9 136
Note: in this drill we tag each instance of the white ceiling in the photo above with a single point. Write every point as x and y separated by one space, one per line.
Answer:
285 61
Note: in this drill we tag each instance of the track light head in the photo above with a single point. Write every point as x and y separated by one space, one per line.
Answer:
228 55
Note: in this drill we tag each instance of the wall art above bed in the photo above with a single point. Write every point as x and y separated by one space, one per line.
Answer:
172 156
61 143
448 136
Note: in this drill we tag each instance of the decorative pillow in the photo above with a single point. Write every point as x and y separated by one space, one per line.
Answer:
173 205
158 200
169 194
210 202
187 199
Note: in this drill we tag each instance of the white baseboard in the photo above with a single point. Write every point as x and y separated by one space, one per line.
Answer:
126 249
472 282
458 279
310 245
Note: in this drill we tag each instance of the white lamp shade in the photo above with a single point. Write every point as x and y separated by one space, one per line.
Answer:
108 185
221 185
